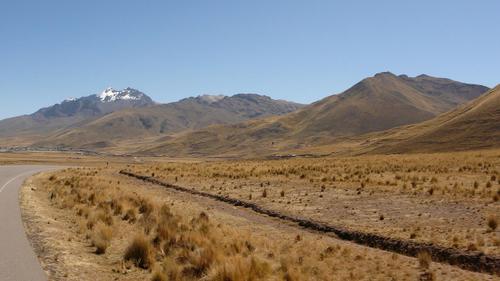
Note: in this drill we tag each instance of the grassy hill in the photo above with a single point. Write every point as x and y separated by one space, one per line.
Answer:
475 125
375 104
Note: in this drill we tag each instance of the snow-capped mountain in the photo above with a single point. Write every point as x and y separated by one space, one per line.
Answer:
107 101
186 114
111 95
101 120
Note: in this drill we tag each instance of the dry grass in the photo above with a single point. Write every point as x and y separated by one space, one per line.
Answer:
466 175
492 222
177 240
139 252
432 198
179 248
101 237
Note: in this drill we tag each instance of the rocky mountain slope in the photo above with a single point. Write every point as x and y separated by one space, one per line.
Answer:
375 104
101 121
70 113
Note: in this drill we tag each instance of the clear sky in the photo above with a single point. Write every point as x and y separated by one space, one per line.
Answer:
296 50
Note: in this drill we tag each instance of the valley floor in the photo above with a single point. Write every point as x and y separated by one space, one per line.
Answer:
83 221
445 199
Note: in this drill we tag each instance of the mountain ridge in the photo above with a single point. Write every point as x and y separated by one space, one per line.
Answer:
158 119
26 129
475 125
376 103
247 123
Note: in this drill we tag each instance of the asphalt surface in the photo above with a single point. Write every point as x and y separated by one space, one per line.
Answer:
18 262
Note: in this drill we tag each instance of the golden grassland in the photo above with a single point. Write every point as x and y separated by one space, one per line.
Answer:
448 199
94 224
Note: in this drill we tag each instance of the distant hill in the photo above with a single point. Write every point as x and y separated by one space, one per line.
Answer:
382 102
109 100
70 113
475 125
375 104
190 113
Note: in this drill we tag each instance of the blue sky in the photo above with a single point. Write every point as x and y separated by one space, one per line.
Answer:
296 50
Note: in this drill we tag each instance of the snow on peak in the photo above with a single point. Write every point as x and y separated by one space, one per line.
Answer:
110 95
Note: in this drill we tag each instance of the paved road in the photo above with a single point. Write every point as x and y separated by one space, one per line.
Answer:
18 262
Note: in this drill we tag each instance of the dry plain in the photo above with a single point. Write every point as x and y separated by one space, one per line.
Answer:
447 199
84 221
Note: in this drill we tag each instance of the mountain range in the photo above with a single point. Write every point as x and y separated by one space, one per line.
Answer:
96 121
386 113
377 103
189 113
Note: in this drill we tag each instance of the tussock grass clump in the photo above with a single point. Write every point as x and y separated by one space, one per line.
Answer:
130 215
145 207
104 215
117 206
101 237
139 252
199 261
492 222
239 268
83 211
99 215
